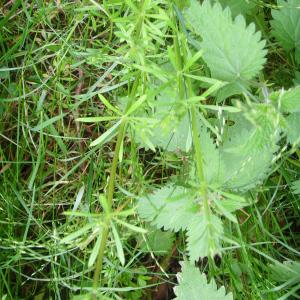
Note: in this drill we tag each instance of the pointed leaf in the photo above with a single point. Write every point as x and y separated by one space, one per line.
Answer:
193 286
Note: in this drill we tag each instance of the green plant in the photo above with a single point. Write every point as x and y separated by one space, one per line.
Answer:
139 134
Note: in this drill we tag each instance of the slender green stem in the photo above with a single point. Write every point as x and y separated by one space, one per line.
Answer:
110 192
185 90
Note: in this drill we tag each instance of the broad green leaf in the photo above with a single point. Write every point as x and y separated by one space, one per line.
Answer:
171 132
287 101
238 7
213 166
170 207
158 241
286 25
204 236
293 128
192 285
296 187
233 51
248 149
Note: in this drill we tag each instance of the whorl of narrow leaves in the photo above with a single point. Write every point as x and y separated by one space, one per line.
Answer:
286 25
193 286
232 50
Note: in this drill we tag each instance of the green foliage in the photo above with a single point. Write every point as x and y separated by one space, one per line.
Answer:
126 77
286 26
296 187
158 241
239 6
233 51
239 163
293 128
170 207
204 236
287 274
193 285
287 101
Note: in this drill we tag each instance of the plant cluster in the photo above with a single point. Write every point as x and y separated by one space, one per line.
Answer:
186 145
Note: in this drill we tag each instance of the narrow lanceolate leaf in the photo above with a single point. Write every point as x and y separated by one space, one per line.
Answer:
286 25
193 286
232 50
288 271
118 242
107 135
204 236
170 207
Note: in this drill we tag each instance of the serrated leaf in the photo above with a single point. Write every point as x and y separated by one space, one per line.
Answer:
286 25
204 236
193 286
249 148
296 187
293 128
170 207
158 241
233 51
212 164
238 6
287 101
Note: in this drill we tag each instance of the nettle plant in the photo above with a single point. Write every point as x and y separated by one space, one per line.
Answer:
234 147
231 148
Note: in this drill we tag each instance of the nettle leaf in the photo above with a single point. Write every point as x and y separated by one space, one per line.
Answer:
238 6
204 236
296 187
286 25
213 165
170 129
172 133
287 101
193 286
174 208
158 241
170 207
233 51
293 128
244 158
